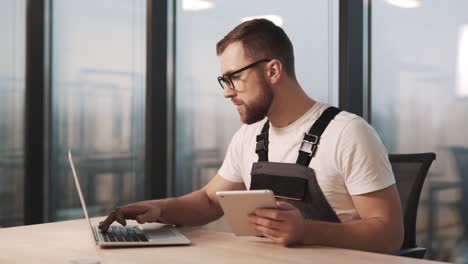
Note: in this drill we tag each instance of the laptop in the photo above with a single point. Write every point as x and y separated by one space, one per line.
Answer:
130 235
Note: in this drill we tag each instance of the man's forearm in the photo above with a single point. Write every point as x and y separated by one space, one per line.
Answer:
371 234
191 209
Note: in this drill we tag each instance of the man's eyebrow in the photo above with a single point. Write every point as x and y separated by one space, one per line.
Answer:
228 72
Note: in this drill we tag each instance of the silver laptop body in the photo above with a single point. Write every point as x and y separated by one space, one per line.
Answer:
131 235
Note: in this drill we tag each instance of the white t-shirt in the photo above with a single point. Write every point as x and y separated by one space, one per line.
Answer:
350 158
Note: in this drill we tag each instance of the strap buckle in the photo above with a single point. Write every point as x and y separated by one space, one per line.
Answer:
262 145
309 144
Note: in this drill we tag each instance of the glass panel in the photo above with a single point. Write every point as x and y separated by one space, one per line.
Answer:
12 85
98 104
420 104
205 120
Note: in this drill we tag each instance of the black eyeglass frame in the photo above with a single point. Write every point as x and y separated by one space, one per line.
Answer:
226 78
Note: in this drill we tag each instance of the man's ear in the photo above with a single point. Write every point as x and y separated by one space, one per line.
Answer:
274 71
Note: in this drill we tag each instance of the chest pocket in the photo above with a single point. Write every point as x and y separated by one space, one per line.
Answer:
290 188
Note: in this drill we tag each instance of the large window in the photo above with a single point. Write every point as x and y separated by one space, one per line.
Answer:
12 82
98 104
420 103
205 120
95 80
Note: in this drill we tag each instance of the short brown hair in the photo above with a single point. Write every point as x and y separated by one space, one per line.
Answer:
262 39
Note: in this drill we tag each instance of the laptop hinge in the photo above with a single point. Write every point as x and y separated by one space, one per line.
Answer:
96 236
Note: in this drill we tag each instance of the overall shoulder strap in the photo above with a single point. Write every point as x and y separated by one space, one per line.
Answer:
262 143
312 139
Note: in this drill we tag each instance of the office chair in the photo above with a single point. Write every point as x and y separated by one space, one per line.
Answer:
410 171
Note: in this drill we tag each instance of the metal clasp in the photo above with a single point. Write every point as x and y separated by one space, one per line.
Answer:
262 145
310 144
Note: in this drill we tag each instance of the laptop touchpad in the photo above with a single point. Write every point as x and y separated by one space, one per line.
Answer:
162 233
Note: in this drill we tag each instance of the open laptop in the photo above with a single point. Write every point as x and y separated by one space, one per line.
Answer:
130 235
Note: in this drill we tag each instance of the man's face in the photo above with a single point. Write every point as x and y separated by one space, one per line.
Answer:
252 94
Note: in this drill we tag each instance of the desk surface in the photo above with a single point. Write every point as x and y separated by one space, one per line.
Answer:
62 242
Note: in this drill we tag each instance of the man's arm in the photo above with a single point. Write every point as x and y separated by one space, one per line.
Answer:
199 207
380 228
196 208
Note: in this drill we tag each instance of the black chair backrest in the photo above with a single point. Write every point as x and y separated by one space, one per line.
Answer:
410 171
461 157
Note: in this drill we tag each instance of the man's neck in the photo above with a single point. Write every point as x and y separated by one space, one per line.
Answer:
289 104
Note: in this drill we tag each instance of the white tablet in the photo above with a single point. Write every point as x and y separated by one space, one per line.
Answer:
237 205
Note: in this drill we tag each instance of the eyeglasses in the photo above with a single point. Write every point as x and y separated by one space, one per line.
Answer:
226 79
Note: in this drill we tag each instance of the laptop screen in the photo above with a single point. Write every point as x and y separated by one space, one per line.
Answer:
78 188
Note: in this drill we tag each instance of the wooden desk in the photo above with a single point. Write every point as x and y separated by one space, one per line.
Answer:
62 242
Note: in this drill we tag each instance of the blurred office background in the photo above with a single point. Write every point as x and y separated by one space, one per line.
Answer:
414 76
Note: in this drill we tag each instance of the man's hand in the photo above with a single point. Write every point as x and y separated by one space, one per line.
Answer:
142 212
284 225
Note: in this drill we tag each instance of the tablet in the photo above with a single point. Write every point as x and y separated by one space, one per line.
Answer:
237 205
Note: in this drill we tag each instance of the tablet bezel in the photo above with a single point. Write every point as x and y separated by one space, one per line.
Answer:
237 205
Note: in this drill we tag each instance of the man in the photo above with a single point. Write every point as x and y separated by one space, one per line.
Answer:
340 192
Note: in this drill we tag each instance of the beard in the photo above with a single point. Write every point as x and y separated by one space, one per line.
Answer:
258 108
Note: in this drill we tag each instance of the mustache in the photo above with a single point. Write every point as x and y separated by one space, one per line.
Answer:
236 102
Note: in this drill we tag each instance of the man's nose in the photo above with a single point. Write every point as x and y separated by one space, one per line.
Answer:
228 92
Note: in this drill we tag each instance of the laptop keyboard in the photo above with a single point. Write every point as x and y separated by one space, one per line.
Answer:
123 234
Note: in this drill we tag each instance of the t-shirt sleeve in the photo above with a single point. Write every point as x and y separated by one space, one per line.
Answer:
363 159
230 169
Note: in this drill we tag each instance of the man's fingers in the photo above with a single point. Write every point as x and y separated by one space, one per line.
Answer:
285 206
274 235
275 214
120 217
104 225
268 232
274 238
132 211
279 214
116 215
148 216
266 222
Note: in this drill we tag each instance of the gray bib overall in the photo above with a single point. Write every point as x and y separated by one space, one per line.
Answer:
295 183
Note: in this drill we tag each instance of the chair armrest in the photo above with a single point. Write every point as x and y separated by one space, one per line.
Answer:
416 252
